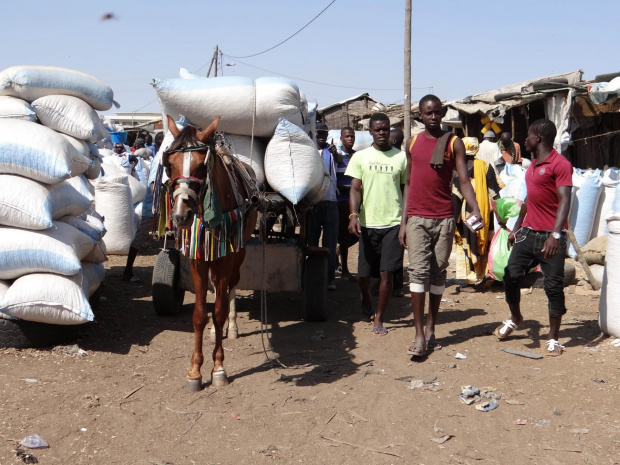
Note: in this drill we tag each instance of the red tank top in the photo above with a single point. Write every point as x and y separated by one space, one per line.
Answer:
430 193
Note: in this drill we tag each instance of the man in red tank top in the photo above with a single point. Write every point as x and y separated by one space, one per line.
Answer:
427 225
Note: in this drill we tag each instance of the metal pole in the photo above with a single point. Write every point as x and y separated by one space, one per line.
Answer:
212 60
407 104
217 52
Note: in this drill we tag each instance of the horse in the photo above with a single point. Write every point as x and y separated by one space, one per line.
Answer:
209 194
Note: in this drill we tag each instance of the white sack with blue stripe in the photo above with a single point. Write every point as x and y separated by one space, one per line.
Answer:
587 187
4 287
611 179
58 249
70 115
37 152
293 166
239 101
16 108
27 204
33 82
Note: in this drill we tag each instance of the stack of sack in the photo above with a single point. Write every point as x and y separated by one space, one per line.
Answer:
266 121
587 189
609 304
49 229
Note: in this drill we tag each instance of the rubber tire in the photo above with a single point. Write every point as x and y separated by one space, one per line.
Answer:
606 77
315 288
167 293
506 95
21 334
546 84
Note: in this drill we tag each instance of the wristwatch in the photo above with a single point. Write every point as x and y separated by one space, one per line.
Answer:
556 235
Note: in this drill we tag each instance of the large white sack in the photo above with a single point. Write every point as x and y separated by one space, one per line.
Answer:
138 190
94 273
363 139
84 226
234 99
83 186
609 303
587 187
4 287
49 298
97 255
111 166
257 164
243 147
293 166
611 179
113 202
25 203
70 115
79 145
33 82
16 108
58 249
93 171
37 152
310 121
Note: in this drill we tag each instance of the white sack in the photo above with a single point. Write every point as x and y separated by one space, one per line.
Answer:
4 287
292 163
84 226
587 187
25 203
234 99
97 255
94 273
611 179
609 303
363 139
37 152
58 249
70 115
49 298
16 108
33 82
113 202
243 147
83 186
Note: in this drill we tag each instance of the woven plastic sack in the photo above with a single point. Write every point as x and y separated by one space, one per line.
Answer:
4 287
588 186
113 202
16 108
609 303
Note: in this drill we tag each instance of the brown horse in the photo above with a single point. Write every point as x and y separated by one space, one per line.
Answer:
199 170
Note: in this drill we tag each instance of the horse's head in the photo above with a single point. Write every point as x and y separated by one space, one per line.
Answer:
186 161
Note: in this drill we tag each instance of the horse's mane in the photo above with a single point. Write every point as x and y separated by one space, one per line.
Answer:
186 138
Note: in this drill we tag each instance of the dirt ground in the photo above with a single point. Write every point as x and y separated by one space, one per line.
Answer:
340 394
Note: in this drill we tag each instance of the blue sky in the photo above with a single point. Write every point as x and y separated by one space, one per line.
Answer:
459 47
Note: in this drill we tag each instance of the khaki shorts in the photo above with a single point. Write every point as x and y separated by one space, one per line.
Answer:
142 239
429 243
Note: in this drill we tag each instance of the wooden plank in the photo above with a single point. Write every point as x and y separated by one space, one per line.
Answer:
522 353
582 259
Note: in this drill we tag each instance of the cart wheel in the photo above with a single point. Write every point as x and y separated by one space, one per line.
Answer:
315 288
21 334
167 293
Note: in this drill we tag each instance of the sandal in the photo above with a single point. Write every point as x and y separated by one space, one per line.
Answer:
369 314
554 348
433 344
416 351
505 329
379 331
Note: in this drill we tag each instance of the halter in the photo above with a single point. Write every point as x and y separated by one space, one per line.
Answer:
184 191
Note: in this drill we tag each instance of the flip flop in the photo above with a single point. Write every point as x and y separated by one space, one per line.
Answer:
379 331
433 344
506 328
369 314
416 351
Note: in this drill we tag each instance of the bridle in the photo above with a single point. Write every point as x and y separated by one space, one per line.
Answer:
185 192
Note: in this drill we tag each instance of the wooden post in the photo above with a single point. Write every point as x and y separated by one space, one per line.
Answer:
593 282
217 52
212 61
407 104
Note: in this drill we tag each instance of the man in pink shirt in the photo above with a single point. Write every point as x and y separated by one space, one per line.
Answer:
542 239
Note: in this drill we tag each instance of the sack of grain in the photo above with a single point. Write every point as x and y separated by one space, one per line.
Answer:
33 82
16 108
37 152
94 273
588 186
4 287
58 249
97 255
27 204
113 202
245 150
83 226
293 166
611 179
246 105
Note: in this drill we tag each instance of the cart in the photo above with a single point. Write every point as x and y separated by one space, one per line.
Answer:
281 262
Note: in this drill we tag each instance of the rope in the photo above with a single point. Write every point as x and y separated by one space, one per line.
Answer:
593 137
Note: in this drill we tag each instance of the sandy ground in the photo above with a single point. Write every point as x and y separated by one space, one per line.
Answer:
335 394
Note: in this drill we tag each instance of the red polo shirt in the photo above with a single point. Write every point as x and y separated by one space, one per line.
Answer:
542 180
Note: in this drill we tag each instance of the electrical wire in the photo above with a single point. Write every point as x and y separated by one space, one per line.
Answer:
290 37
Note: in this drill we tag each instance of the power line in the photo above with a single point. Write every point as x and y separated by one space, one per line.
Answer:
290 37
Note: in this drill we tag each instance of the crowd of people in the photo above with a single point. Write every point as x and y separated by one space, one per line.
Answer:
440 192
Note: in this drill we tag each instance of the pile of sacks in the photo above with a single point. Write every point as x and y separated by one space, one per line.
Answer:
50 234
271 109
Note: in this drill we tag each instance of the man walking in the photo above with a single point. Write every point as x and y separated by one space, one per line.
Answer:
378 173
542 239
489 150
427 228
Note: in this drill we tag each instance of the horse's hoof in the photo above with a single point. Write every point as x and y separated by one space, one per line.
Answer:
219 379
232 334
193 385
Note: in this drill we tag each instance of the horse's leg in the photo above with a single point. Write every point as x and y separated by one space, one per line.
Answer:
226 326
200 318
233 330
220 314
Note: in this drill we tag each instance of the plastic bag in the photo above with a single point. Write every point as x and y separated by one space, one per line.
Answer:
34 441
499 254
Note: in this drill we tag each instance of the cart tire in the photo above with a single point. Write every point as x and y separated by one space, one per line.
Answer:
315 288
21 334
167 293
606 77
554 83
505 96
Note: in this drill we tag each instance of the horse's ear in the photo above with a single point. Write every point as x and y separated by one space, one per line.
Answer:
172 126
204 135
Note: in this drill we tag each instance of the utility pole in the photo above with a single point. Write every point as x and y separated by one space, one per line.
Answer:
217 55
407 104
213 60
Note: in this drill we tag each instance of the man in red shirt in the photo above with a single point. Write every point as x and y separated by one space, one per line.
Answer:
542 239
427 224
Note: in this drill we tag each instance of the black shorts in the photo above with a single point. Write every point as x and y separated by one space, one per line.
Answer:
379 250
